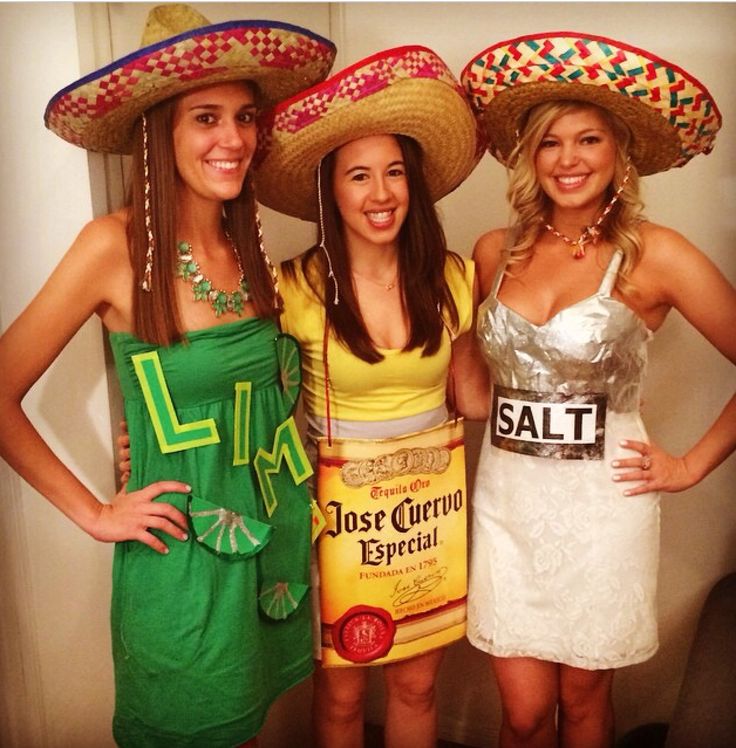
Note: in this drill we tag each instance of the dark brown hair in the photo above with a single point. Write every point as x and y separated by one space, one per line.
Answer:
156 316
422 256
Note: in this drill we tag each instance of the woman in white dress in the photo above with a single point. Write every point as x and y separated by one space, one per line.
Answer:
564 559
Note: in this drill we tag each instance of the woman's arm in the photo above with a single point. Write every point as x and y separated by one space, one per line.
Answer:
468 388
675 274
86 281
472 378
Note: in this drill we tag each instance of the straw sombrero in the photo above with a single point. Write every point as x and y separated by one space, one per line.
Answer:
404 90
671 115
181 50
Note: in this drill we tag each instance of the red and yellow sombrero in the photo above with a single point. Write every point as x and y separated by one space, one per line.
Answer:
181 50
404 90
671 115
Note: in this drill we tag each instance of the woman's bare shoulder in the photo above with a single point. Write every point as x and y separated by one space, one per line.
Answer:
490 245
105 236
487 254
667 253
97 265
673 272
656 237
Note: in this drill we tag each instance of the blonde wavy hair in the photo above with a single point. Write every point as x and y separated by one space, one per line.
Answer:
531 206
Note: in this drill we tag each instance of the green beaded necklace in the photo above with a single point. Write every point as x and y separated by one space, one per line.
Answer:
221 301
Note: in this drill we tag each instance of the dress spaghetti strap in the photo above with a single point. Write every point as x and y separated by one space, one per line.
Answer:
500 270
509 241
609 278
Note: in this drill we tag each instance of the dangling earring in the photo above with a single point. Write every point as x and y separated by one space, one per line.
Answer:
146 282
322 246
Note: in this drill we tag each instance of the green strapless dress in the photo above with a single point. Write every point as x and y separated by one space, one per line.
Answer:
206 637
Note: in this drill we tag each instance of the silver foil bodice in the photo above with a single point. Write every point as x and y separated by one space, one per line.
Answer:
595 345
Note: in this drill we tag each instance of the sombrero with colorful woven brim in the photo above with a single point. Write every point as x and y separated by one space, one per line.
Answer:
671 115
181 50
405 90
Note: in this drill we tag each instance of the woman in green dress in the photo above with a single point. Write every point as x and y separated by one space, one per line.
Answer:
209 621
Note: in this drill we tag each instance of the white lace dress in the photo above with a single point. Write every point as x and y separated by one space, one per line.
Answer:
563 566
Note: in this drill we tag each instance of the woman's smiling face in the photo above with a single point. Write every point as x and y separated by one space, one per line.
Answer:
371 190
214 139
576 158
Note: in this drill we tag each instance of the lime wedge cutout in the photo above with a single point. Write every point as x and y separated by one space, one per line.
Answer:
287 351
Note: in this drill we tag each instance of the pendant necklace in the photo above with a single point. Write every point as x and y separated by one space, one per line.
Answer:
221 301
387 286
590 234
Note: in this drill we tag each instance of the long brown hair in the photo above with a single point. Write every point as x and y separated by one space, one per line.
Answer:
531 205
156 316
422 256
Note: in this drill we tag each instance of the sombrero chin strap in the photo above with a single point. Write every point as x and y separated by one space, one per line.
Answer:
146 282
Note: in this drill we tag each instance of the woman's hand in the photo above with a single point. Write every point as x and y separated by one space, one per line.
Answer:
130 516
123 442
656 469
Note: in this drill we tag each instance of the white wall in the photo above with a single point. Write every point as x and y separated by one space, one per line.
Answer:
59 578
54 651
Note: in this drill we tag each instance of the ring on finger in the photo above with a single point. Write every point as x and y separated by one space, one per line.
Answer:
646 462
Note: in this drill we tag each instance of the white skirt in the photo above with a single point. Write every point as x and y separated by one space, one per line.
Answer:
563 565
